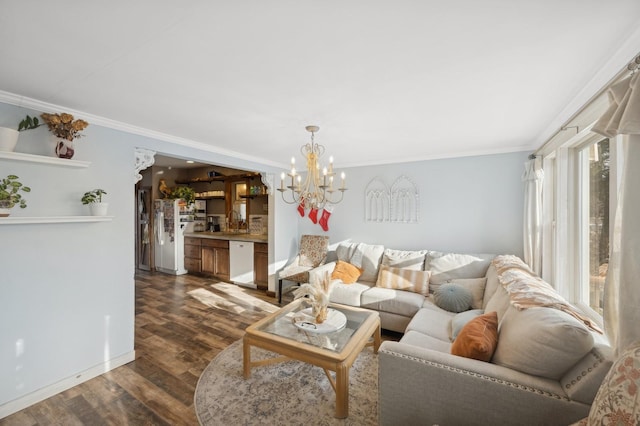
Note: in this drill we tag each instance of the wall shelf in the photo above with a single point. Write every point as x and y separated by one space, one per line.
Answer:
53 219
31 158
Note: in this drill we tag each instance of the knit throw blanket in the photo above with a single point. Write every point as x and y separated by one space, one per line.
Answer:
527 290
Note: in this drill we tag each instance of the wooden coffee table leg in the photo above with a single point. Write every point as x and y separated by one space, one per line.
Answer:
246 358
342 391
376 340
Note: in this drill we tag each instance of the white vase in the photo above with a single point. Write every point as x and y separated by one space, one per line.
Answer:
5 208
8 139
98 209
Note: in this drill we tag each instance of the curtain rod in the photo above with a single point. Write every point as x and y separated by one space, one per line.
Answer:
632 66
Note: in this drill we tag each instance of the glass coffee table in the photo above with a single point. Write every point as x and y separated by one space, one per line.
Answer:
332 351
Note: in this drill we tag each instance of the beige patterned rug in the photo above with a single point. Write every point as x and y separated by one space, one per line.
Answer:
289 393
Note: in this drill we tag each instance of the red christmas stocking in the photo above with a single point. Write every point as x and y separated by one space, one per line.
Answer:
301 208
324 219
313 215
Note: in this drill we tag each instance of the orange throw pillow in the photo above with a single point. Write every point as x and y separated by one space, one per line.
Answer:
346 272
478 338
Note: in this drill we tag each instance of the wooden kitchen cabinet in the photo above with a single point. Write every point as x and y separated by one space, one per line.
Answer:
261 265
192 255
215 258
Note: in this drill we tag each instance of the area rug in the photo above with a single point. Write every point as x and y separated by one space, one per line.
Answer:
288 393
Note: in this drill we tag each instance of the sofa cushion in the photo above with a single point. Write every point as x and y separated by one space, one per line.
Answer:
365 256
461 319
415 338
541 341
499 302
399 302
347 294
492 284
478 338
413 280
346 272
434 323
453 297
447 266
405 259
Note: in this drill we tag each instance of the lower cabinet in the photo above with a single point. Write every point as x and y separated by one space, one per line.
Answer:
192 255
261 265
215 258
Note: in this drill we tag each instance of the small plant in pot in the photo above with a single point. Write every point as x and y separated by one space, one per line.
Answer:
94 200
10 196
185 193
9 137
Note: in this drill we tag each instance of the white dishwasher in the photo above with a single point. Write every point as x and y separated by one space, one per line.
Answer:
241 263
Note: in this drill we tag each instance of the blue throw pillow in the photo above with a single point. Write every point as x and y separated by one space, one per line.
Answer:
453 297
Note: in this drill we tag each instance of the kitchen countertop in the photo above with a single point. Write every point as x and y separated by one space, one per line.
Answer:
229 236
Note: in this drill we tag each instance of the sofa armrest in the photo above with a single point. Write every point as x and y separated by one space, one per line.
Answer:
423 386
316 274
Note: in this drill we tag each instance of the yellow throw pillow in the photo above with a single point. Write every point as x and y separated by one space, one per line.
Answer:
346 272
478 338
404 279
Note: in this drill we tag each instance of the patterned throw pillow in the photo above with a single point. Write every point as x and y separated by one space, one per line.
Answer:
478 339
404 279
346 272
453 297
616 402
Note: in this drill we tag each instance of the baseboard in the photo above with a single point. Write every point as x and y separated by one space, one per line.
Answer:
64 384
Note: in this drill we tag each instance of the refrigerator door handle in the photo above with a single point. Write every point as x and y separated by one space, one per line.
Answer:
159 226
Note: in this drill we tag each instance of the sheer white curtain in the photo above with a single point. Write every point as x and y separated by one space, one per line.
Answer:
533 178
622 287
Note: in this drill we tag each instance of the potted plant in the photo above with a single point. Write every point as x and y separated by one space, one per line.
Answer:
184 192
66 129
94 200
9 137
9 194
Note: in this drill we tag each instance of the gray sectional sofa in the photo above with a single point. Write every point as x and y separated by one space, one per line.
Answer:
546 368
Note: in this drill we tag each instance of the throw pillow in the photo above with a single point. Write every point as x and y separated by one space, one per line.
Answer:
478 339
404 279
461 319
453 297
475 286
544 342
405 259
346 272
617 399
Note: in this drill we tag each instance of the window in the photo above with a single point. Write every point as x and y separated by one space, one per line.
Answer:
594 222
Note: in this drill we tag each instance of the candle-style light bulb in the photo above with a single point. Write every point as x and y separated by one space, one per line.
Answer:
343 176
293 161
331 164
282 180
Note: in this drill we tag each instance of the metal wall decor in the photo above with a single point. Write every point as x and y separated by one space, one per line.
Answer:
396 204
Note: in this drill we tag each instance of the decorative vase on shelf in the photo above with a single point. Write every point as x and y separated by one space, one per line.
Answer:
8 139
5 207
98 209
64 149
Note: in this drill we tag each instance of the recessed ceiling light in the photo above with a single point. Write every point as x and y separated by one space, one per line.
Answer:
190 161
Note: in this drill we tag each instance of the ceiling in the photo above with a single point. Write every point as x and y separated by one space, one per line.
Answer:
386 81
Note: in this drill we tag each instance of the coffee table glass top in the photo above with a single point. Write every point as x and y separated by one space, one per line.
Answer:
282 325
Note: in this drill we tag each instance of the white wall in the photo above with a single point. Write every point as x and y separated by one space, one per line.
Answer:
468 204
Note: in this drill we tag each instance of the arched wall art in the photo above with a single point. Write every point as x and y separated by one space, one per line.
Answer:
395 204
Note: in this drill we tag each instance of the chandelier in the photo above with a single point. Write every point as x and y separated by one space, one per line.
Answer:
316 189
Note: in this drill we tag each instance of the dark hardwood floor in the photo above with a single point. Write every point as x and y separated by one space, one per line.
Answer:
181 324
